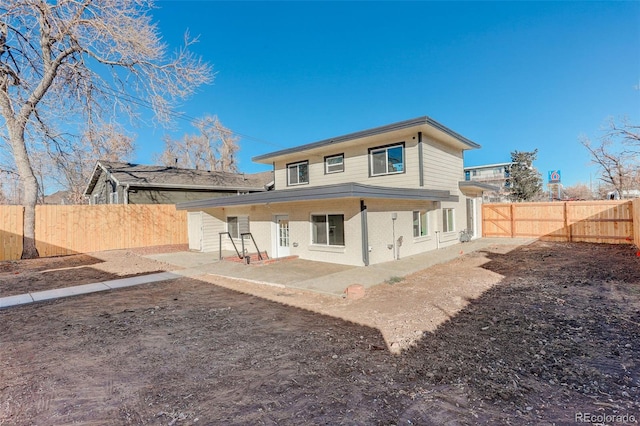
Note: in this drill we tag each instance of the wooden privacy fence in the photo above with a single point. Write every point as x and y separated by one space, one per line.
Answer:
62 230
586 221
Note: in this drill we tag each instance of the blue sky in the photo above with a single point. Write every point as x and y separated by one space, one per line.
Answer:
508 75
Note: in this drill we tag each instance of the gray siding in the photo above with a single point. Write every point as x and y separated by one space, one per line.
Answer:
102 190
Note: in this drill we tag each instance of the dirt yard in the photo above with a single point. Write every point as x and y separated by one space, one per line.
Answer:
540 334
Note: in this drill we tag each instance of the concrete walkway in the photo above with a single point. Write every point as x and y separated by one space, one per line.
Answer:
39 296
327 278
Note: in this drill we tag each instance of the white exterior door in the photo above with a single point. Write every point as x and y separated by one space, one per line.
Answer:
194 226
282 236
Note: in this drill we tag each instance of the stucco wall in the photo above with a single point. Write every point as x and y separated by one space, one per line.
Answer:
382 228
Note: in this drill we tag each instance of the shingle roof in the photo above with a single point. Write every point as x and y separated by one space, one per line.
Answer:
136 175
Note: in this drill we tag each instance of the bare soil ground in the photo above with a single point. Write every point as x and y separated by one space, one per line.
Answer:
534 335
47 273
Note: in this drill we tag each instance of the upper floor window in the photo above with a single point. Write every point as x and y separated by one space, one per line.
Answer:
334 164
113 198
387 160
298 173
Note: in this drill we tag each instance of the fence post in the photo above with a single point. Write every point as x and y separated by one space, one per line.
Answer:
567 226
513 220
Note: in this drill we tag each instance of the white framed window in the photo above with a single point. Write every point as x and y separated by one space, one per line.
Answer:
386 160
334 164
298 173
96 199
420 224
327 229
113 198
448 220
237 225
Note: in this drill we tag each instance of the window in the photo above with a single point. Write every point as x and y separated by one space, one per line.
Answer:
420 224
447 220
114 198
232 227
237 225
327 229
298 173
334 164
467 175
387 160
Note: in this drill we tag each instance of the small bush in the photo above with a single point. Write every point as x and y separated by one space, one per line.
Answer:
394 280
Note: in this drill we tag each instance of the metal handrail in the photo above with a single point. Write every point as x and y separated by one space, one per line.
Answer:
254 243
240 256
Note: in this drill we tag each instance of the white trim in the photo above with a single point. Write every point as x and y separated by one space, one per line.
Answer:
326 215
426 225
326 164
297 166
453 219
237 216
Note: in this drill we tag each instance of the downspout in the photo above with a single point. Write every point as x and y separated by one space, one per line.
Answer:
365 233
126 194
420 160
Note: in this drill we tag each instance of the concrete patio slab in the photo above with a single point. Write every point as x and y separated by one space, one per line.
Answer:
327 278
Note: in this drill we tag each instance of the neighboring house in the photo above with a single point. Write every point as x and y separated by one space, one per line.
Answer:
358 199
627 194
59 198
496 175
125 183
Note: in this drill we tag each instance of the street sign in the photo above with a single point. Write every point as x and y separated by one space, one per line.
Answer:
554 176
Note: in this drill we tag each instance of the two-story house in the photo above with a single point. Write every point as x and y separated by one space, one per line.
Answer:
496 175
359 199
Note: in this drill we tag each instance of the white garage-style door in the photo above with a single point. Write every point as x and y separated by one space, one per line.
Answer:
194 223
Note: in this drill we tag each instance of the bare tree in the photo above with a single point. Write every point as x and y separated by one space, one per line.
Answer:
616 154
73 168
579 191
83 59
214 148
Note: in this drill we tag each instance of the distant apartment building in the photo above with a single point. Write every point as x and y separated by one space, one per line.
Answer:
493 174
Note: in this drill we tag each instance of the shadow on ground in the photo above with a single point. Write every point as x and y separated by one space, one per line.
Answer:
545 343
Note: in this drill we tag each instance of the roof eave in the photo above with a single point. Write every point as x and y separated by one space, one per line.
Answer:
407 124
470 184
325 192
200 187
